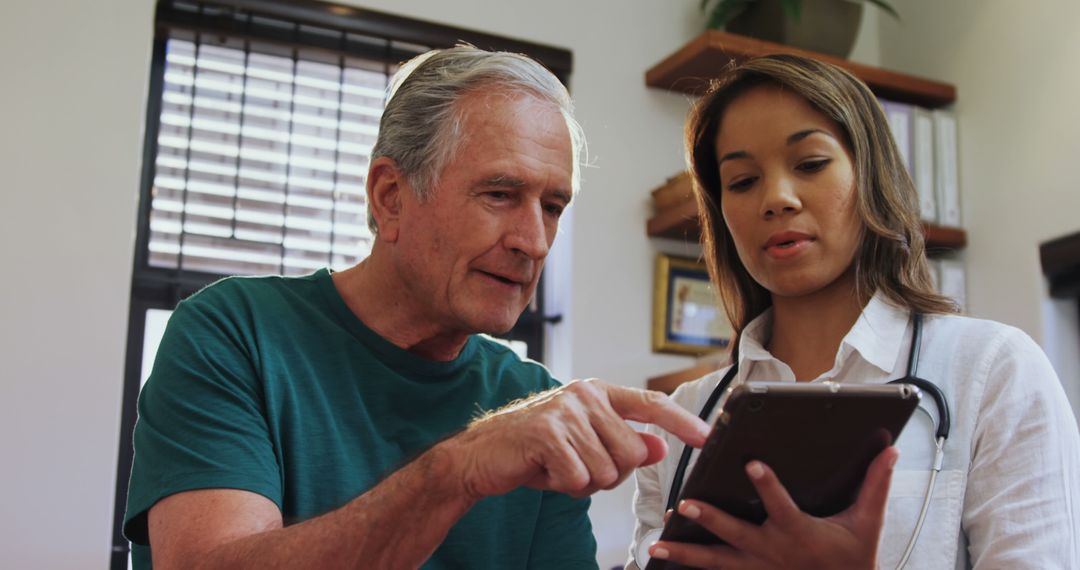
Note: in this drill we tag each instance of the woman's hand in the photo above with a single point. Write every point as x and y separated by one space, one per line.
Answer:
789 538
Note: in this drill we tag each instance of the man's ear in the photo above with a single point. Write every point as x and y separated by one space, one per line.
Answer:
385 186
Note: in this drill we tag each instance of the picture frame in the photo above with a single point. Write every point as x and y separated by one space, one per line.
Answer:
687 316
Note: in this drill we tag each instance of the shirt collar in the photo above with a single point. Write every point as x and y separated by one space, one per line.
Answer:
875 336
878 332
754 336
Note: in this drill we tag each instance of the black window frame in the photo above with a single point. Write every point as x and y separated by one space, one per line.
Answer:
163 288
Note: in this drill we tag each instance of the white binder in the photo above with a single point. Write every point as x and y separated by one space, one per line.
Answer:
899 117
945 160
923 162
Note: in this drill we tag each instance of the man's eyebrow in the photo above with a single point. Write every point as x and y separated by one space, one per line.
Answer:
506 181
563 196
503 181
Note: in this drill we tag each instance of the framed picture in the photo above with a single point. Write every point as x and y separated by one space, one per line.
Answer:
687 318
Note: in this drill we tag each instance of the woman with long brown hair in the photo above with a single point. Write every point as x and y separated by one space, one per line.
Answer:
812 238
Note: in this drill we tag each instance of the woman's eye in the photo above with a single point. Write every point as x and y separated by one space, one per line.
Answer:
742 184
813 165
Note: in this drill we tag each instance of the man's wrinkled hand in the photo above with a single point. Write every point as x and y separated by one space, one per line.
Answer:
573 439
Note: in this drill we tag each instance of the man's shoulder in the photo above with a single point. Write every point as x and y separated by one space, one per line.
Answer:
245 296
236 288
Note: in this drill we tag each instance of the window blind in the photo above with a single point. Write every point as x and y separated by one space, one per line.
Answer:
261 159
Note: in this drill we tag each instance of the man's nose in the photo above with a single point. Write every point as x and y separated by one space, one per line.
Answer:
528 232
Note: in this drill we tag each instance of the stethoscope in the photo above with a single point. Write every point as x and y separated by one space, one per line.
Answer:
641 554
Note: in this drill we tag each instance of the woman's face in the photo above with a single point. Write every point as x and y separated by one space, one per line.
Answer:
788 193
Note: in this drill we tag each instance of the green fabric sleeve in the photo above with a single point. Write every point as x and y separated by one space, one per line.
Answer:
201 423
563 537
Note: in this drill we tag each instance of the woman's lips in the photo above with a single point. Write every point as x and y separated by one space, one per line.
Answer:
785 245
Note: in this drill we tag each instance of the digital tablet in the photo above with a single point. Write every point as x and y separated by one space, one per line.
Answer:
818 438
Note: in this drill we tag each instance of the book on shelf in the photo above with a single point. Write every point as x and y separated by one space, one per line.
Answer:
923 173
945 159
674 191
899 116
927 142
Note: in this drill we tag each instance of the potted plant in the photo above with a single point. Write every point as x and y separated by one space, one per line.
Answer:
826 26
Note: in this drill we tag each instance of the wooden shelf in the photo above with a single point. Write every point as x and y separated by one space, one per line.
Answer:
681 222
690 69
677 222
943 237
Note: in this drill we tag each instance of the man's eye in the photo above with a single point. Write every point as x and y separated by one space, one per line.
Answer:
813 165
498 195
554 209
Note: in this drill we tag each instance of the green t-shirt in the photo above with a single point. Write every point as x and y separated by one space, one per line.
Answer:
272 385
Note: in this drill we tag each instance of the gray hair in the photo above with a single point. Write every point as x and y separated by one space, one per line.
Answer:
422 119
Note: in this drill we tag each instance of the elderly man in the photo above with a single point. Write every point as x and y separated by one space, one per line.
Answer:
332 420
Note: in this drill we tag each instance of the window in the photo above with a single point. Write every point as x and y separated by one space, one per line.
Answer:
261 160
260 122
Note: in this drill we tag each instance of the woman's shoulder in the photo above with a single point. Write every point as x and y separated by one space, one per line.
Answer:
995 348
972 330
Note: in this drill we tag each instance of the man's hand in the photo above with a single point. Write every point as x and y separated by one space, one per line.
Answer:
573 439
789 538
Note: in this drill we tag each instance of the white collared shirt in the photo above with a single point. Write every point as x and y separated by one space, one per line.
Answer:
1008 495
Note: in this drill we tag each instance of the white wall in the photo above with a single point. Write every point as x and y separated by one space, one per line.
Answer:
74 83
1014 65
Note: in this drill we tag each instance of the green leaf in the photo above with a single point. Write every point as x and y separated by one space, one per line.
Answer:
886 7
792 9
725 11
